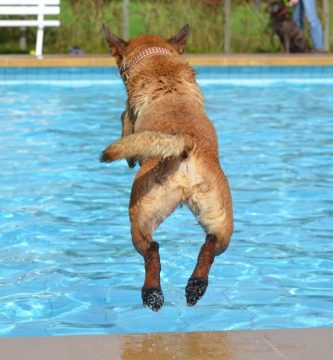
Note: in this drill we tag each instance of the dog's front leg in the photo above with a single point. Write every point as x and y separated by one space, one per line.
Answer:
286 43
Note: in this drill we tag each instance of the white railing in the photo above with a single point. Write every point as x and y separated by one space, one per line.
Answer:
37 8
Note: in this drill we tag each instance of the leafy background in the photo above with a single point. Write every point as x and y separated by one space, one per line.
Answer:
81 25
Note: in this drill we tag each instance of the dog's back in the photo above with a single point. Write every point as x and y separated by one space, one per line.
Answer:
178 103
164 98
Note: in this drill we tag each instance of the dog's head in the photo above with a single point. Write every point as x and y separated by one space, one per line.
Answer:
275 8
127 51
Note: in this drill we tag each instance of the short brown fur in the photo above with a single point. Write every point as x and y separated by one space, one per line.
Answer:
166 129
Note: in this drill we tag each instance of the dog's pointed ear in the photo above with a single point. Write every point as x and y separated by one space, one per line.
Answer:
116 44
179 40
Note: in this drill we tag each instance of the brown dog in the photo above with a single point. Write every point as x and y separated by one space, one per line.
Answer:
166 130
291 37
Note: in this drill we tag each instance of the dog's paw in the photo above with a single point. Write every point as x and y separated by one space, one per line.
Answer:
152 297
195 289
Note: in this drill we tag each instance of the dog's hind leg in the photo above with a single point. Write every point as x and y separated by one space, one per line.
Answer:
198 281
213 209
154 196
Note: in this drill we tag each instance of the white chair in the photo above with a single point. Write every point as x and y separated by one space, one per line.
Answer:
16 9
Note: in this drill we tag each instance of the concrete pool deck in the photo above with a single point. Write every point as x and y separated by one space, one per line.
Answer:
196 60
291 344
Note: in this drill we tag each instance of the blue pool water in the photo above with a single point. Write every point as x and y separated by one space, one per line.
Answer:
67 265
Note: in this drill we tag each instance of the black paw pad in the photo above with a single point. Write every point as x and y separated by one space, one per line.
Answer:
152 297
195 289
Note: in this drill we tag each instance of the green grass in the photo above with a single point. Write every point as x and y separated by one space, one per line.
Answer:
136 25
251 31
81 25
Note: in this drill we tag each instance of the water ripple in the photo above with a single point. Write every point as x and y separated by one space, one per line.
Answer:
67 262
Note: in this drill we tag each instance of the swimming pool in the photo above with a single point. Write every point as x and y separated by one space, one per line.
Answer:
67 262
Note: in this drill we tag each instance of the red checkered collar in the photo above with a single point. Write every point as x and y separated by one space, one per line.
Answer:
283 12
148 52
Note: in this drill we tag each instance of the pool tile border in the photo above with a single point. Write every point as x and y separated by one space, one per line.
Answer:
208 67
207 73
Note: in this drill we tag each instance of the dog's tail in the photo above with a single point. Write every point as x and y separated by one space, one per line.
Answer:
148 144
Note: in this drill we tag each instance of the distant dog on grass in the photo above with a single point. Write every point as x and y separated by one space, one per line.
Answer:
165 129
291 37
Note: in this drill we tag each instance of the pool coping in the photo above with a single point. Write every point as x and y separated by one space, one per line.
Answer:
288 344
195 60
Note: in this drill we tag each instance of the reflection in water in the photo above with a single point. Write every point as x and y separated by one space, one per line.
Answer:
178 346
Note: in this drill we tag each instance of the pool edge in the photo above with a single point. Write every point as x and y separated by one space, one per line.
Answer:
295 344
195 60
